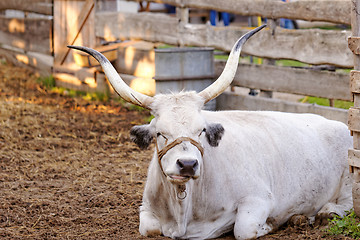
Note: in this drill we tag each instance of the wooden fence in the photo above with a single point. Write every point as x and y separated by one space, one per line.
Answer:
354 112
26 33
310 46
40 41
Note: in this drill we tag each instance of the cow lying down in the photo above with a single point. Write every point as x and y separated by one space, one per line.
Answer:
213 172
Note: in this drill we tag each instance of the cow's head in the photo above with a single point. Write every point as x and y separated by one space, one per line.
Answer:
181 134
180 131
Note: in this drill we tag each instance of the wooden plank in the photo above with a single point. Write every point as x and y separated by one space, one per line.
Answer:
73 69
31 60
356 195
29 34
146 26
355 27
36 6
354 119
356 137
337 11
354 158
354 44
136 58
66 13
72 76
356 178
313 46
85 60
233 101
291 80
77 25
354 113
355 81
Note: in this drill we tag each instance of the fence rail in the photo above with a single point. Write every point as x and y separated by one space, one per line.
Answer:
36 6
28 34
336 11
300 81
236 101
313 46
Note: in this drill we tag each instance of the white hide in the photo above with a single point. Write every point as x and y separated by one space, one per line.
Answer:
268 166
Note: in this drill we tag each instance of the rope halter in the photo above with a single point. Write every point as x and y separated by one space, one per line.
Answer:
174 143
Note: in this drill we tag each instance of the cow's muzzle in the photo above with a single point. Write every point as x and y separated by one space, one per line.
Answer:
187 167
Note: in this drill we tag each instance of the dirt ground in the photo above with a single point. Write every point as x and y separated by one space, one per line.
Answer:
68 169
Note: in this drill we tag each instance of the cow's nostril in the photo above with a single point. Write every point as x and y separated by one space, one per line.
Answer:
187 166
180 164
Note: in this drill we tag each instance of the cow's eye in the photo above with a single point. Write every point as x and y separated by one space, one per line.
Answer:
202 131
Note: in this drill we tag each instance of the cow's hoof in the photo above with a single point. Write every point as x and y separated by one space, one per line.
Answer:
298 220
149 227
153 233
322 219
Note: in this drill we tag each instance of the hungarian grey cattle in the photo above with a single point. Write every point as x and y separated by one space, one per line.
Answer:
246 171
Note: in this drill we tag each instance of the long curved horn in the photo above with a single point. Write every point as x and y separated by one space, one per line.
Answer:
228 74
120 87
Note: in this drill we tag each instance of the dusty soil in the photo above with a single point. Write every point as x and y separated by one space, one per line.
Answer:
68 169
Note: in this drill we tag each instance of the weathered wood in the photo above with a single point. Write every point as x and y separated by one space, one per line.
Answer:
29 34
85 60
354 158
97 83
356 196
67 24
233 101
136 58
354 119
291 80
356 138
337 11
73 69
145 26
72 76
354 113
31 60
77 27
355 81
313 46
36 6
354 44
355 28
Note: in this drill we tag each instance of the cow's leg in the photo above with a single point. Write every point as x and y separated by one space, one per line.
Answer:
251 218
342 201
149 224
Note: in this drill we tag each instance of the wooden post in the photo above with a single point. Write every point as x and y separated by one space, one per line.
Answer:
182 15
354 113
264 93
73 24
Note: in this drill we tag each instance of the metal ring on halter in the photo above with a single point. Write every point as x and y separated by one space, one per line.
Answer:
179 195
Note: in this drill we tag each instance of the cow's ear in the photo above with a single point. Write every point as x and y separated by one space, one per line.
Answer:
214 133
141 135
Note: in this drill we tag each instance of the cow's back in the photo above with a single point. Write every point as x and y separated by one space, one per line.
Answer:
295 159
